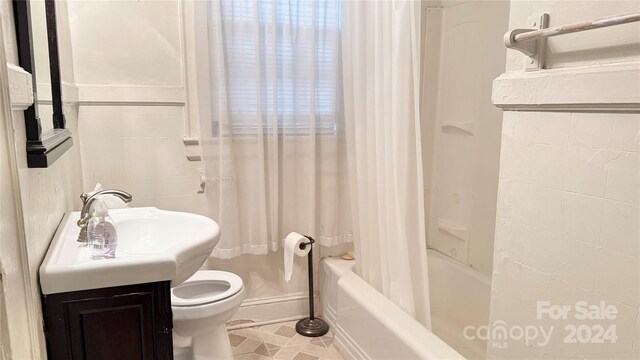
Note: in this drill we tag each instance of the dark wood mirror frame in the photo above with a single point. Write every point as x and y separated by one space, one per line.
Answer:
43 148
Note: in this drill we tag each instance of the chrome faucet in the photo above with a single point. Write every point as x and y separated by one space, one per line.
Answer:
87 201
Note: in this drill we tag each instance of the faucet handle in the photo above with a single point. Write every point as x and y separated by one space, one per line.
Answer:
83 221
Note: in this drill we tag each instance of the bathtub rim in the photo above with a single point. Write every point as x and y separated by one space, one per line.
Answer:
485 279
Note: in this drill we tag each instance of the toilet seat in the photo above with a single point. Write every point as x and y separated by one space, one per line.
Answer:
206 287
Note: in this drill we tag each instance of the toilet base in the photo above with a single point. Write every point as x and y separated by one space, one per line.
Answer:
212 345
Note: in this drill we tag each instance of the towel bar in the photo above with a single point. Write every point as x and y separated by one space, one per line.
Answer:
531 41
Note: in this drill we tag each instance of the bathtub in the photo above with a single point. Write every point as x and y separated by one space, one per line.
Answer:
366 325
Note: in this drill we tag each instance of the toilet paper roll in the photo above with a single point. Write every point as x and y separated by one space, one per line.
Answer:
292 247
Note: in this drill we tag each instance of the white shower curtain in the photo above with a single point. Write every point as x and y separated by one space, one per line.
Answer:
271 150
381 61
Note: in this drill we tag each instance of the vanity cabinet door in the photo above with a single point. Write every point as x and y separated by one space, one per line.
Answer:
128 322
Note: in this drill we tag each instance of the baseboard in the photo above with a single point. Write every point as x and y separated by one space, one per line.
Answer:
271 309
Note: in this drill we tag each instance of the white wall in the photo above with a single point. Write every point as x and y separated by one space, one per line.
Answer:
45 196
463 53
132 68
127 43
568 218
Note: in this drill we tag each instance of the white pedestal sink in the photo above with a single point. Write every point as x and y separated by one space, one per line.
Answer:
153 245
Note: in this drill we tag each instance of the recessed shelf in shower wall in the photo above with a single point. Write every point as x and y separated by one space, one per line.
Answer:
466 126
459 231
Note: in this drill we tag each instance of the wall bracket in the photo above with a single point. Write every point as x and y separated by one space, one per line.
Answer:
534 49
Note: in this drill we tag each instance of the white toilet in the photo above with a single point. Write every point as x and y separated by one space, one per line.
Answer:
201 307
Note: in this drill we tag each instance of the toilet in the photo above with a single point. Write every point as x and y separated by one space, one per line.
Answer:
201 306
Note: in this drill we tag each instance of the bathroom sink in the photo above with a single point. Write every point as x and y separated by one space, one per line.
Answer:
153 245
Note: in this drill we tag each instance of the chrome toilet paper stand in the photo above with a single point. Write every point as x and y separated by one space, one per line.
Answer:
311 326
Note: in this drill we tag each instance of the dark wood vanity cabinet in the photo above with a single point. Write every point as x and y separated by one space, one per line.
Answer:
125 322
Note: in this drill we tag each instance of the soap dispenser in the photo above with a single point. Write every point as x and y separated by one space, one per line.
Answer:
101 232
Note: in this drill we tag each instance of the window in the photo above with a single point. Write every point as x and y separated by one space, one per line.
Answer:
281 65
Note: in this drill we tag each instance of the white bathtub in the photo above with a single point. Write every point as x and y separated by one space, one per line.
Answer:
367 325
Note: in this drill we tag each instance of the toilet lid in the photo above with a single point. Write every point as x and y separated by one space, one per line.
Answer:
204 287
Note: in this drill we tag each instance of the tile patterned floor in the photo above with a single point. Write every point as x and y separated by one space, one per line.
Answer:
280 342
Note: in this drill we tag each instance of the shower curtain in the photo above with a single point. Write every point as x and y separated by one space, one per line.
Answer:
271 146
381 47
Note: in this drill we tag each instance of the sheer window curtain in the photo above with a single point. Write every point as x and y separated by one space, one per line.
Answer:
273 148
381 43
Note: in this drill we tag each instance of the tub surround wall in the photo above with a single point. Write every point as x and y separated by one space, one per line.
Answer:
45 194
568 202
460 126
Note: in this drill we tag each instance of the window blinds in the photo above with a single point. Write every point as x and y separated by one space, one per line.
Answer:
282 64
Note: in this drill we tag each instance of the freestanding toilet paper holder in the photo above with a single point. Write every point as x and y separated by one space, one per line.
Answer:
311 326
